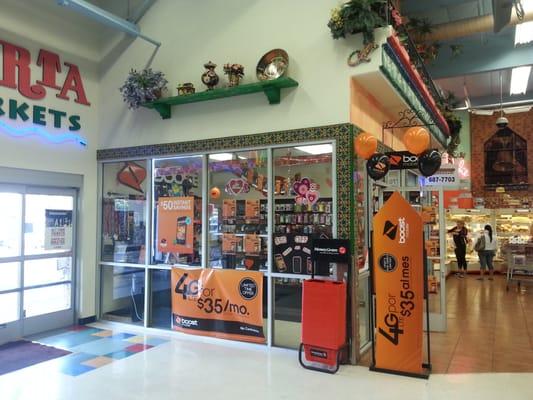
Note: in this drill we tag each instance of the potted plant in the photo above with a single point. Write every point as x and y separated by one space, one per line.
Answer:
358 16
235 72
142 87
446 106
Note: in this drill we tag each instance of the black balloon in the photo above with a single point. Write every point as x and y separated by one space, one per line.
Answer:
377 166
429 162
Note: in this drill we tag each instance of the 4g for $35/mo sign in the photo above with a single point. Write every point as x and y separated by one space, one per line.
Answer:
221 303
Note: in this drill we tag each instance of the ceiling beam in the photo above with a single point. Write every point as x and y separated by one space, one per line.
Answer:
476 58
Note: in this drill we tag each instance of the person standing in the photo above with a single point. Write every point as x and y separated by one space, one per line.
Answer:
460 239
486 246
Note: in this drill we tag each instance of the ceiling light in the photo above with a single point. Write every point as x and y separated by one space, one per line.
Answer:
522 210
523 33
519 79
221 157
483 112
516 110
316 149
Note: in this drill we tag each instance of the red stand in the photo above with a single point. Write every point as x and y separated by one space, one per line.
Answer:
323 324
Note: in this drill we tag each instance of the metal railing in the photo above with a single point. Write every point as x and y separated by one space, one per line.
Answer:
392 13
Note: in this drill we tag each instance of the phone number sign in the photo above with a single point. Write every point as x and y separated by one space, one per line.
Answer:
445 178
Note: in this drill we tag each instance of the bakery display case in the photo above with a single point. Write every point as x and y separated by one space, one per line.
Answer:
512 227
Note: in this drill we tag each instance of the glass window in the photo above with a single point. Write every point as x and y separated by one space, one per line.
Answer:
47 300
9 276
303 204
287 312
161 299
238 210
178 211
122 294
47 270
9 307
123 212
42 211
364 304
10 224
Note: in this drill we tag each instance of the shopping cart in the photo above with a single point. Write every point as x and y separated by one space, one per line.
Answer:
520 265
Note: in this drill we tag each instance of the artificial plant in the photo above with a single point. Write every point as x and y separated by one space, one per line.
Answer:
446 105
142 87
358 16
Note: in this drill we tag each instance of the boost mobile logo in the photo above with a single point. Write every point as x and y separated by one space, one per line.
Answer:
390 230
403 230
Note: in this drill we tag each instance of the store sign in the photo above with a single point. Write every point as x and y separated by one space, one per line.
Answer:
58 230
399 287
334 250
175 225
226 304
16 74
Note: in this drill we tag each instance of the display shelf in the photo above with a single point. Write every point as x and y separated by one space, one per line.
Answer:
271 89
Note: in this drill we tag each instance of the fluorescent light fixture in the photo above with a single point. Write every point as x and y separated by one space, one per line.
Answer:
482 112
523 33
519 79
516 110
221 157
316 149
522 210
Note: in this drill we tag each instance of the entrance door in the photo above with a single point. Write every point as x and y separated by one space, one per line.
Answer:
37 239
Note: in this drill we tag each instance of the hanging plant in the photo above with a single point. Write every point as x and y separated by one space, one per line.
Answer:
447 103
358 16
142 87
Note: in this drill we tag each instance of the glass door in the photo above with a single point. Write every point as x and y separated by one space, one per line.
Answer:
37 228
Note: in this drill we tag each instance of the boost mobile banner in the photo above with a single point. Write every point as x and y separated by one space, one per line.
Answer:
399 286
175 225
226 304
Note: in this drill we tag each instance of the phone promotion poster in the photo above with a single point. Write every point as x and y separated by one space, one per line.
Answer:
58 232
175 225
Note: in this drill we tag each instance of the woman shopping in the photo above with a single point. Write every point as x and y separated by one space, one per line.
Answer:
486 246
460 239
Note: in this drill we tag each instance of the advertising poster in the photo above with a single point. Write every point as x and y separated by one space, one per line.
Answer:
226 304
399 287
251 209
252 244
175 224
58 230
229 208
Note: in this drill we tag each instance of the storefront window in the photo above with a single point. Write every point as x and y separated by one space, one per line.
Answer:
123 212
287 312
177 211
122 294
238 210
303 205
161 315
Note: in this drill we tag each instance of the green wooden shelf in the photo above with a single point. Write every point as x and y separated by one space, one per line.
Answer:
272 90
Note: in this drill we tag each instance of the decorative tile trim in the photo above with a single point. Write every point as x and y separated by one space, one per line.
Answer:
342 134
393 71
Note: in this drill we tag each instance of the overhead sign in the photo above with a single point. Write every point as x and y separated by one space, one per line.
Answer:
402 160
58 230
399 287
226 304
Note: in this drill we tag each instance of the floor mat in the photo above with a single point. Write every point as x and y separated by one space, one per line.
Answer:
23 353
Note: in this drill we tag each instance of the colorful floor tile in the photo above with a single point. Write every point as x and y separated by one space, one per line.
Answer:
94 348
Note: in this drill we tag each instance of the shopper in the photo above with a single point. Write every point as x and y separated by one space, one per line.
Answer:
486 246
460 240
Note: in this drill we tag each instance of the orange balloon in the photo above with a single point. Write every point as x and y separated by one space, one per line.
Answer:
365 145
215 192
416 140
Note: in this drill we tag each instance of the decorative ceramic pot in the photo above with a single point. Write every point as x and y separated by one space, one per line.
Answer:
210 77
186 88
235 72
234 80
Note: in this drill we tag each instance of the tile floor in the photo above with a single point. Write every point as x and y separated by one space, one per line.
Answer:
186 367
489 329
93 347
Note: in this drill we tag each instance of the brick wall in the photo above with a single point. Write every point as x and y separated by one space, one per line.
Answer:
482 128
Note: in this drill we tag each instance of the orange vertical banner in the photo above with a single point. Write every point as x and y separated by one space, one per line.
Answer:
175 224
398 272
